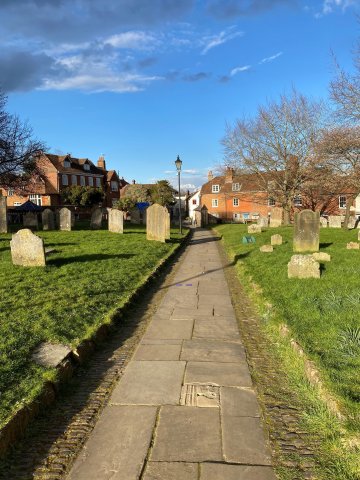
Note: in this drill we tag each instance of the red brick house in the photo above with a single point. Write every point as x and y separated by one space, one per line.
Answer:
61 171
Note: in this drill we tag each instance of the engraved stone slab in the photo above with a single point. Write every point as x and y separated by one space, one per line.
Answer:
48 219
323 222
353 246
197 395
254 229
266 249
96 218
50 355
276 217
116 221
306 231
3 215
263 221
321 257
303 266
27 249
157 223
30 220
65 219
276 239
335 221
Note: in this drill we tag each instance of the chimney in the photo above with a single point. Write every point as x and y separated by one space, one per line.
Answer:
229 175
133 182
210 175
101 162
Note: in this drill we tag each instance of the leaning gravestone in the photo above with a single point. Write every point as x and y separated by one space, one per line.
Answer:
3 215
276 217
254 229
116 220
30 220
263 221
96 218
323 222
303 266
334 221
48 219
156 223
276 239
306 231
27 249
65 219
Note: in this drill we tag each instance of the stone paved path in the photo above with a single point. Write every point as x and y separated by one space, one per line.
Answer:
184 408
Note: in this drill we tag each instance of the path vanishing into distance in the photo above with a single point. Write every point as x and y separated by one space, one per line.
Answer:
185 407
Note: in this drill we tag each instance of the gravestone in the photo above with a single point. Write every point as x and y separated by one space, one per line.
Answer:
351 222
334 221
3 215
167 223
27 249
135 216
276 217
276 239
303 266
266 249
323 222
353 246
321 257
96 218
156 225
254 229
65 219
48 219
359 235
116 220
30 219
306 231
263 221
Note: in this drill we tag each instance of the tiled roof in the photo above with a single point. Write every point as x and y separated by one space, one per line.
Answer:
248 183
76 164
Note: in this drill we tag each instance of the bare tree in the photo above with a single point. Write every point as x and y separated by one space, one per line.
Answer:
17 148
277 146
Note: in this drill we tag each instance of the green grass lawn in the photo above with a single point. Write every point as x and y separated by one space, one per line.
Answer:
90 275
323 316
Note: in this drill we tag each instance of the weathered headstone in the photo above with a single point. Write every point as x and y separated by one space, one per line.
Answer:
334 221
48 219
204 213
27 249
276 239
321 257
96 218
353 246
65 219
167 223
30 219
116 220
3 215
306 231
303 266
351 222
276 217
263 221
323 222
254 229
156 225
266 249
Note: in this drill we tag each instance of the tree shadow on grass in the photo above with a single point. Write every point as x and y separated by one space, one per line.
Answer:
325 245
96 257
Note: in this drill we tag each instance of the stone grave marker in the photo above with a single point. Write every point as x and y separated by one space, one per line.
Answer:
335 221
30 220
276 239
65 219
254 229
353 246
3 215
359 235
321 257
50 355
96 218
116 220
351 223
27 249
276 217
323 222
156 223
48 219
303 266
167 223
266 249
306 231
263 221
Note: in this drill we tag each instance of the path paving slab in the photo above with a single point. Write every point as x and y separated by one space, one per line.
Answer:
118 445
216 471
187 434
212 351
171 471
215 299
158 352
244 441
170 330
223 374
161 341
150 383
216 327
239 402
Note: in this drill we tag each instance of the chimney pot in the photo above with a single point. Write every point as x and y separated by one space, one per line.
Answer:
210 175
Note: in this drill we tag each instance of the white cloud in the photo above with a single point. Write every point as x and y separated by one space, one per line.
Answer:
236 70
329 6
134 40
270 59
213 41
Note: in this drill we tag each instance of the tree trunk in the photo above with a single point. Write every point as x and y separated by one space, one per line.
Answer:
349 202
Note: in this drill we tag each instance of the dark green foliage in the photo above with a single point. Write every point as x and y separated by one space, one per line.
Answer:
82 196
163 193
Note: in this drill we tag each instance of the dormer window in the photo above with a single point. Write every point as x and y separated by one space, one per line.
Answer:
215 188
86 166
235 187
67 164
114 186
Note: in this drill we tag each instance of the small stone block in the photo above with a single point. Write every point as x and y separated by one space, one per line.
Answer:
353 246
303 266
321 257
276 239
254 229
50 355
266 249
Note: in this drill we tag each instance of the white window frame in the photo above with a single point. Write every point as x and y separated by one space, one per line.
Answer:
17 204
297 201
82 181
236 187
35 198
114 186
90 181
10 192
271 202
65 180
342 201
215 188
98 182
236 202
67 164
73 180
214 202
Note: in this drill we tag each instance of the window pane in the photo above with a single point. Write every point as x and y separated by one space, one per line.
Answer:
65 180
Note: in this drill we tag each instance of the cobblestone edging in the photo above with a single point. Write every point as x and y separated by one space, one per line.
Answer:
292 448
71 368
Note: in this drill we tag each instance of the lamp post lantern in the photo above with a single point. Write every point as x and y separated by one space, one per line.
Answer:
178 164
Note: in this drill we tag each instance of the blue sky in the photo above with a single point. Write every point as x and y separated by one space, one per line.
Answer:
143 81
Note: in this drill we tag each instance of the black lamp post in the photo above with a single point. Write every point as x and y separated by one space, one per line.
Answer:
178 164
